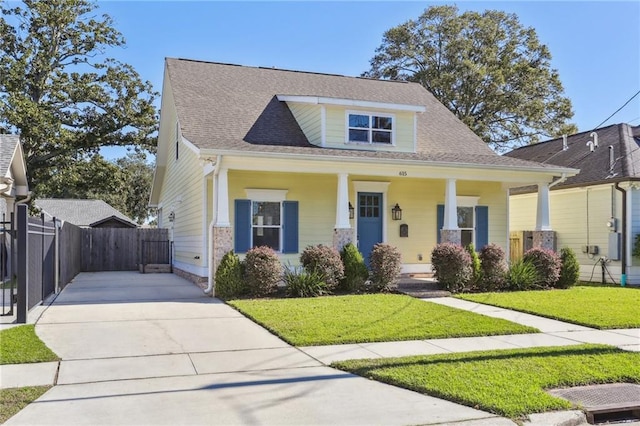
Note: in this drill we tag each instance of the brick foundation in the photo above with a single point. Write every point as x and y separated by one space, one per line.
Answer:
196 279
544 239
221 244
453 236
342 237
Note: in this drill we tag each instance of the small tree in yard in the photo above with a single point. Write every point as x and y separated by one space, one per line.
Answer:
385 266
476 271
452 266
263 271
570 269
494 267
229 281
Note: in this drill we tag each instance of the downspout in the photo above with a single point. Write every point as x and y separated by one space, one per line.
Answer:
210 280
623 275
562 178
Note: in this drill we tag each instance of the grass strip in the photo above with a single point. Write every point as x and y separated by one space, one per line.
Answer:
368 318
20 345
15 399
598 307
510 382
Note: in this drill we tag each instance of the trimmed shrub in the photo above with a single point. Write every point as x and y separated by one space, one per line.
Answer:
476 271
570 269
494 267
385 267
355 270
326 261
452 266
547 263
522 275
229 283
303 283
263 271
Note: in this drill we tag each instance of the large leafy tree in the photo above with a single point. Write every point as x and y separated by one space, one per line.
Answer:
488 69
60 91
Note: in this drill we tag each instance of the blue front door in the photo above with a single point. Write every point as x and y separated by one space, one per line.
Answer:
369 222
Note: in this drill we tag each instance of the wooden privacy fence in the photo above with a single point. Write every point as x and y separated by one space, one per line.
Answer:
120 249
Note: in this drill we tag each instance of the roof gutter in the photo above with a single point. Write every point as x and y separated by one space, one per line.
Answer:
562 178
392 161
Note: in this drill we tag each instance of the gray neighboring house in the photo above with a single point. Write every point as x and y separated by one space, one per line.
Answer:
13 173
85 213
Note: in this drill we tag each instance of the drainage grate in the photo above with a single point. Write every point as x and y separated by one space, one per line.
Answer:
604 400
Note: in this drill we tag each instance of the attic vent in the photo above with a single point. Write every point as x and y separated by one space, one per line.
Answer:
611 160
565 146
592 144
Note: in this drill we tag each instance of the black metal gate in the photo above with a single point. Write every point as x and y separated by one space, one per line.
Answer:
7 259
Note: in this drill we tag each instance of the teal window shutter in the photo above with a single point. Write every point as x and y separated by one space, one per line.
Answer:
242 226
482 226
440 221
290 227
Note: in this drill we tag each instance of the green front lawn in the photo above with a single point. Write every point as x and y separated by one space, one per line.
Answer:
20 345
15 399
598 307
368 318
507 382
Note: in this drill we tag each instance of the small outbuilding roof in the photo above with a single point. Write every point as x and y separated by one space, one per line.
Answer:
83 213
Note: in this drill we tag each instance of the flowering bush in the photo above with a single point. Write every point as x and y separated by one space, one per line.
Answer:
452 266
494 267
228 281
324 260
570 269
263 271
547 264
385 267
355 270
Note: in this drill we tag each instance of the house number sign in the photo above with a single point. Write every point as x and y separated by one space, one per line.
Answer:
402 173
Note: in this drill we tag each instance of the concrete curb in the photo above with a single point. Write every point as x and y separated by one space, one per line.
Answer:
557 418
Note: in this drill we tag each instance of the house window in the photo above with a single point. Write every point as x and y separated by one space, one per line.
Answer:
370 128
466 225
266 224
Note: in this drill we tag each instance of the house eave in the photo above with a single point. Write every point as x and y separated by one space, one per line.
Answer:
320 100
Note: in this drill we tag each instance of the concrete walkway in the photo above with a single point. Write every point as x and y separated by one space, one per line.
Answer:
152 349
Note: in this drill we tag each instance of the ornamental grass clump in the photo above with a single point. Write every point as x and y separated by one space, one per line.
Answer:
229 283
263 271
451 266
325 261
570 269
302 283
494 267
547 264
385 267
356 273
522 275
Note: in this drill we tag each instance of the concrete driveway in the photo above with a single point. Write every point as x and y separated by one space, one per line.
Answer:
152 349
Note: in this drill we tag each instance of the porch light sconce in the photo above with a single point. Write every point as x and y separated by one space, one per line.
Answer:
396 212
351 211
172 216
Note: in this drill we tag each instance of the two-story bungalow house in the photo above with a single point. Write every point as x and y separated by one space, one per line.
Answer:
252 156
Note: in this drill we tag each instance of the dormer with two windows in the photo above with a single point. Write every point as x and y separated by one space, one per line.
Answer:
353 124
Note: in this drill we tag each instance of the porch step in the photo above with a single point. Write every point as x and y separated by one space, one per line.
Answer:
155 268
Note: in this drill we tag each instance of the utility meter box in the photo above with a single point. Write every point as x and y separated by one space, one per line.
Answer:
614 246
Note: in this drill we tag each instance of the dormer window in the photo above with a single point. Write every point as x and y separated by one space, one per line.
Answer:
370 128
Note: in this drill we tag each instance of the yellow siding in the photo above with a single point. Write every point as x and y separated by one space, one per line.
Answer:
308 118
182 192
316 195
579 217
336 131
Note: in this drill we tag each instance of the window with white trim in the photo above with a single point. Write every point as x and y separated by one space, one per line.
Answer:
266 224
370 128
466 223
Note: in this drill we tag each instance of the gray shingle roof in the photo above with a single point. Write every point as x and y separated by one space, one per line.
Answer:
234 108
594 166
7 148
79 212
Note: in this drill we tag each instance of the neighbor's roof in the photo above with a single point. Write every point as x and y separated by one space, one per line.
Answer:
594 166
80 212
8 145
223 107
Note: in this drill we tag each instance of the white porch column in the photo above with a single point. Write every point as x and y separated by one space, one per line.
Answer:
222 199
342 208
450 206
542 216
